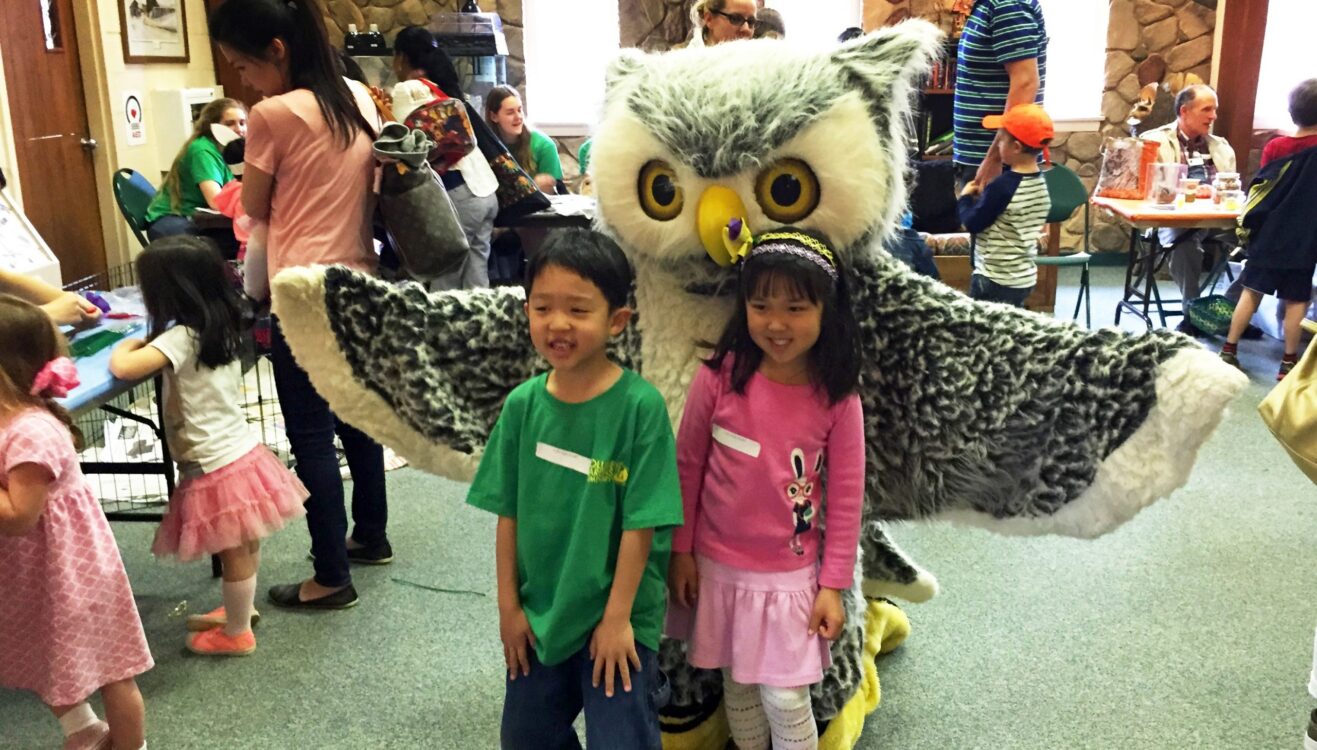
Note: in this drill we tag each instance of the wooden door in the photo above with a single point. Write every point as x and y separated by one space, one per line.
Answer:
51 136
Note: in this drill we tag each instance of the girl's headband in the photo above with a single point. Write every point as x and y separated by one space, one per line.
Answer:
790 241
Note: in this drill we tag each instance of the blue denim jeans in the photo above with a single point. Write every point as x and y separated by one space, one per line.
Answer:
311 428
539 708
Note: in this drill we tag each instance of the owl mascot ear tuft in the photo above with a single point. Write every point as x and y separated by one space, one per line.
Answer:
890 61
620 72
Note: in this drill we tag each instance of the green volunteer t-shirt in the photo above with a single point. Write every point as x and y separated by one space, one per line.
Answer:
583 155
575 476
544 155
200 162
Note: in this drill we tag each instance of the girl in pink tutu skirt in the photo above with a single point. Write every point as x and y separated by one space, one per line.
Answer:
755 592
233 492
68 624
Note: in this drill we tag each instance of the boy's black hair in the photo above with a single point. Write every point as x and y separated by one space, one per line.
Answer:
588 254
185 281
1303 104
834 361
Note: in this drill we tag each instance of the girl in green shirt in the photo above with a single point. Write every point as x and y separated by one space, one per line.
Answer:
198 172
534 151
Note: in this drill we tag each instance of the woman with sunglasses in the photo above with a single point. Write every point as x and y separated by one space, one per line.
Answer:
718 21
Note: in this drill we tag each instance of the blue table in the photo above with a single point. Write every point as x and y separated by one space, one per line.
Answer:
97 387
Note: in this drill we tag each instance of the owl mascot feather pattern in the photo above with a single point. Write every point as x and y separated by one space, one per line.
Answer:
974 413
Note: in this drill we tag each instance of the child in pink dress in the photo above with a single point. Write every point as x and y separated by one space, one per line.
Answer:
68 624
755 592
234 492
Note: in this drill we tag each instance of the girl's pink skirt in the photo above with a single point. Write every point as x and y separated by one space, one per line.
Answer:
249 499
755 623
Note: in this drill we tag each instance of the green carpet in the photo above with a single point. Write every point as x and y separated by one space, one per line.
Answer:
1191 626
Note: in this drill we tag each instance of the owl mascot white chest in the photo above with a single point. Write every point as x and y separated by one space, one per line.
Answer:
974 413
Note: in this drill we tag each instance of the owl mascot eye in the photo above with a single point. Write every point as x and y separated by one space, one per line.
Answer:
974 413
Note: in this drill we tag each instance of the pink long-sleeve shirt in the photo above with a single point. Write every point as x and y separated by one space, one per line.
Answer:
750 467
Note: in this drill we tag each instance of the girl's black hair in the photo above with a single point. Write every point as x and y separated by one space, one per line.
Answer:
588 254
184 281
248 27
422 52
834 361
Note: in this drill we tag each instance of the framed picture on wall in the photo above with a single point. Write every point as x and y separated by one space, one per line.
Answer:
153 31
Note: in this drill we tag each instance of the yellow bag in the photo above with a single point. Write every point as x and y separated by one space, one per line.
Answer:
1290 411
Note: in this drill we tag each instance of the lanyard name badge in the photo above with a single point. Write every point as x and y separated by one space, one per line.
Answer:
1197 166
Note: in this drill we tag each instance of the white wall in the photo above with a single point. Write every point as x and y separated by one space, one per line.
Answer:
106 78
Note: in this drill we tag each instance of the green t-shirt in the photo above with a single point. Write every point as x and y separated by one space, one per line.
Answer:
544 156
575 476
583 155
200 162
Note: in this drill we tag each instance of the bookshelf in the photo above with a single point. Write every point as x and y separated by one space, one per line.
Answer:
933 119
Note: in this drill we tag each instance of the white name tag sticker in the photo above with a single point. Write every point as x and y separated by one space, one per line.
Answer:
1196 161
736 442
559 457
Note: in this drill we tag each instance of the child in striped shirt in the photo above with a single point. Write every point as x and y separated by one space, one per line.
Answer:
1008 214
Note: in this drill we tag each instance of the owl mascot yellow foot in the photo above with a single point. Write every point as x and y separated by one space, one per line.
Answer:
974 413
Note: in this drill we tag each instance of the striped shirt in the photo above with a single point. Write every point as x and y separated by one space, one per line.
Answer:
997 32
1007 219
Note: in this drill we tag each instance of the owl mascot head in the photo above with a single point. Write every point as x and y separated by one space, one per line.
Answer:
974 413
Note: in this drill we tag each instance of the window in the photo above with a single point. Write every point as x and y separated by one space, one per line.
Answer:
569 44
1289 30
815 23
1076 58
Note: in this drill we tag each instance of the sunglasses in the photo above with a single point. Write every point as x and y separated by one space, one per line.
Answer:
736 19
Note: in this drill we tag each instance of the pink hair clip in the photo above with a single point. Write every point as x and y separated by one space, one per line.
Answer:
56 378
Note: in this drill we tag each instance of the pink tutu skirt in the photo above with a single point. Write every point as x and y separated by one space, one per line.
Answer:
754 623
249 499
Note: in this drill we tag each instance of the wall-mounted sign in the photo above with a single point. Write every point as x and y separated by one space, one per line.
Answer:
134 118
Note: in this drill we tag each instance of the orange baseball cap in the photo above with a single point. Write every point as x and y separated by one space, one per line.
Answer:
1029 124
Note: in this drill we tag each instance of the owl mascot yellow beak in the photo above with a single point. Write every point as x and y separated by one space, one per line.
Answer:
720 221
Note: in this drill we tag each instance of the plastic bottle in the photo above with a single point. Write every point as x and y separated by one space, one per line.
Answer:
375 44
352 40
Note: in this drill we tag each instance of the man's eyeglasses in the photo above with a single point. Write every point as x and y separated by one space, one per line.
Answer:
736 19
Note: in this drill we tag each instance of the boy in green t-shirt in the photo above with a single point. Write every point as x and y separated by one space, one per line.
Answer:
581 470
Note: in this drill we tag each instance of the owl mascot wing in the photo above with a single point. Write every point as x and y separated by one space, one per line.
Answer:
975 413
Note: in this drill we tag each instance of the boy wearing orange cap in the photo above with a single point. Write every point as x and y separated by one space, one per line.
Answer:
1008 215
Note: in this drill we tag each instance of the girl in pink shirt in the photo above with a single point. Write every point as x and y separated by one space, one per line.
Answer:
309 172
756 591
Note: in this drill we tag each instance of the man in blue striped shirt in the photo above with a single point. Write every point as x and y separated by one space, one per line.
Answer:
1002 63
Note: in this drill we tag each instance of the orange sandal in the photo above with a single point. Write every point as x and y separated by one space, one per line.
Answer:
214 642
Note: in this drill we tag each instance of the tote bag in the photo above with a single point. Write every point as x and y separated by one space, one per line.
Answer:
1290 412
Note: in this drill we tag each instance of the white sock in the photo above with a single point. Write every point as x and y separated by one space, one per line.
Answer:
791 717
745 714
77 719
239 601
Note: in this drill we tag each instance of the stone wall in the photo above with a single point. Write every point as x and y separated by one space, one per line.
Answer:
393 15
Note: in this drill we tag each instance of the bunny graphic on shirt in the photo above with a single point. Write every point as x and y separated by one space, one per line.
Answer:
800 491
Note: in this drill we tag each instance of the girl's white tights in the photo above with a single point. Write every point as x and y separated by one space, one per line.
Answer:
759 715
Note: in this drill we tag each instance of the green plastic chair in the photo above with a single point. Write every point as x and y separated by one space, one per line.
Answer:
1068 193
133 193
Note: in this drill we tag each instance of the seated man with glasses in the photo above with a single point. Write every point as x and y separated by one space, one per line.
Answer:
718 21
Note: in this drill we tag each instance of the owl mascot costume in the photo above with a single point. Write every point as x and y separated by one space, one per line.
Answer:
974 413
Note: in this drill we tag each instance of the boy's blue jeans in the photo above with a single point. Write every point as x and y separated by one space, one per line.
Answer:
539 708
